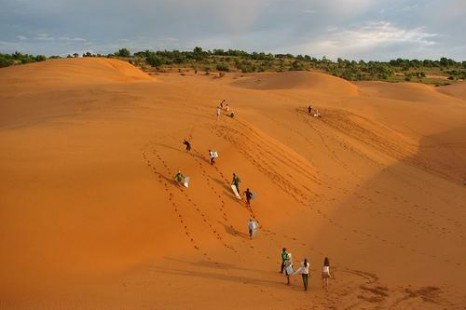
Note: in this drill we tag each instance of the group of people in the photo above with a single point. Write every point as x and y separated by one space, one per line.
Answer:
287 268
223 107
247 193
286 257
316 112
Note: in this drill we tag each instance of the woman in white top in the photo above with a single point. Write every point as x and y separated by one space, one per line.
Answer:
304 271
326 273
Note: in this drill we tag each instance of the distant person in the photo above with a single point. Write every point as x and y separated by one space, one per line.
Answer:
304 271
179 177
235 181
309 109
232 115
326 273
217 112
284 257
248 195
252 226
212 156
187 144
317 114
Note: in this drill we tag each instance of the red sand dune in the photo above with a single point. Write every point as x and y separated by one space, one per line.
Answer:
91 218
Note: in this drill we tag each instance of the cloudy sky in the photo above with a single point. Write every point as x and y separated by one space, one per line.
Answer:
351 29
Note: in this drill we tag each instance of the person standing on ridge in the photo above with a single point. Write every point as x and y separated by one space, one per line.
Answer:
235 181
248 196
188 145
309 109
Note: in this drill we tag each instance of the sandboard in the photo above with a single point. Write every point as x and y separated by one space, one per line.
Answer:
235 191
253 195
215 154
289 270
186 181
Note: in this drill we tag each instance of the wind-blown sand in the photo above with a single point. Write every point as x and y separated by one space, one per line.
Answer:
90 217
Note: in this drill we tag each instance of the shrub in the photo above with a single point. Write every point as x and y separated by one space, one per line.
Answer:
124 52
222 67
5 61
154 60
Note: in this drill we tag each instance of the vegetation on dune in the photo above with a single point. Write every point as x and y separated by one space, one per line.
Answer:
437 72
18 58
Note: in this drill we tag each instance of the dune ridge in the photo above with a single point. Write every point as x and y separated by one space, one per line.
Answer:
91 216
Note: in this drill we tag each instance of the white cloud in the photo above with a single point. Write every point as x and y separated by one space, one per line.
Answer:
72 39
44 37
359 41
22 38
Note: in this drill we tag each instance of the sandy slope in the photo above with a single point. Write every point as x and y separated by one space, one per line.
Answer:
90 216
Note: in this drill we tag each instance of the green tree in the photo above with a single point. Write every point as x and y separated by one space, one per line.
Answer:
124 52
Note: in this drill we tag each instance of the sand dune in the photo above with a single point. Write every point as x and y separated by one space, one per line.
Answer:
313 81
91 217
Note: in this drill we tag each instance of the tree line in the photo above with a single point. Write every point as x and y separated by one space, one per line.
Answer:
233 60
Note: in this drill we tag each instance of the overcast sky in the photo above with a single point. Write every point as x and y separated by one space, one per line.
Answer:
351 29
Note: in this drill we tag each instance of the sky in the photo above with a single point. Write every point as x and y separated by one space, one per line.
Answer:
349 29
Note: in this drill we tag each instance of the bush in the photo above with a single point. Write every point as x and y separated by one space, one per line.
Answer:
5 61
223 67
154 60
124 52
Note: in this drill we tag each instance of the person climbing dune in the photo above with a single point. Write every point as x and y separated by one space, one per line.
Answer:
247 193
179 177
236 181
187 144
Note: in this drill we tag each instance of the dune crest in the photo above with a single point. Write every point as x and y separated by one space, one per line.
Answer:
313 81
56 72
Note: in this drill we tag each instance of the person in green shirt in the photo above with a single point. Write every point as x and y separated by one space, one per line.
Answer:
179 177
236 181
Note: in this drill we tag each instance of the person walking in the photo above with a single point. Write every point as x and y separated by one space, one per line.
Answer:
248 196
235 181
212 156
309 109
326 273
304 271
179 177
187 144
252 226
217 112
288 268
284 257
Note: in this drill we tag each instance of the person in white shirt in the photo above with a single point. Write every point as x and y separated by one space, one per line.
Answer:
326 273
304 271
252 226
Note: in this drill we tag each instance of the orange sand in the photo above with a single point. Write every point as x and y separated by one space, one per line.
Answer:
91 218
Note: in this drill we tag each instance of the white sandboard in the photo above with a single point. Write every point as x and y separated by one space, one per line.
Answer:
289 270
186 181
255 225
253 195
235 191
215 154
